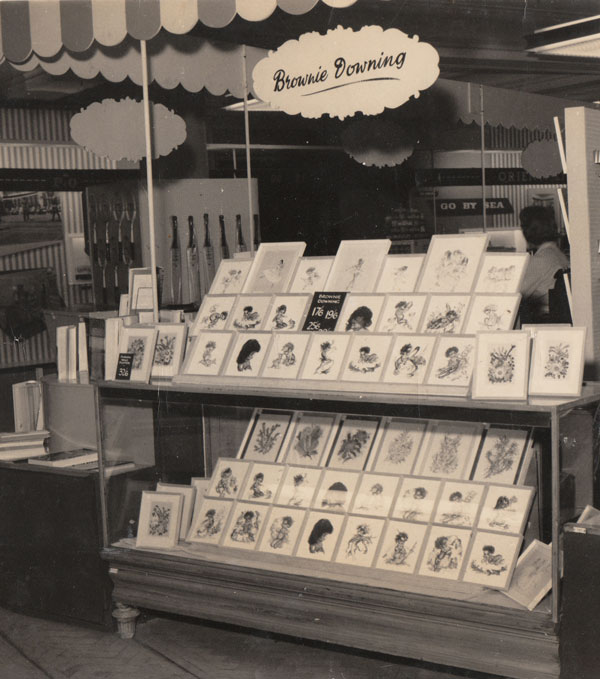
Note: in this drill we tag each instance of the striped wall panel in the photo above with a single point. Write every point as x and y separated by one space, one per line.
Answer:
51 157
504 138
41 125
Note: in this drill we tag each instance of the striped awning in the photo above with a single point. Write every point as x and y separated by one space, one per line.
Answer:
43 27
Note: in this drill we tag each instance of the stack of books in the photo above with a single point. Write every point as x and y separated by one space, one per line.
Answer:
23 445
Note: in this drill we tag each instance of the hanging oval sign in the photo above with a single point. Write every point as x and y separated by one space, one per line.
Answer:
344 72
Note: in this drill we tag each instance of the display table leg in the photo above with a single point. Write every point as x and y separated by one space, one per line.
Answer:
125 616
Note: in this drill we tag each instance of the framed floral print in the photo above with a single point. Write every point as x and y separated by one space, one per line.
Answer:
353 443
401 546
360 313
416 499
298 486
502 272
532 577
311 437
159 520
453 361
228 478
506 508
273 267
400 273
501 455
445 314
282 528
320 536
452 262
230 277
286 313
285 354
450 449
459 504
140 341
398 446
366 358
501 365
213 314
265 435
359 541
247 353
188 493
492 559
311 274
262 482
445 552
375 494
409 359
336 490
207 353
210 521
489 313
357 265
244 526
325 356
168 350
557 362
402 313
249 312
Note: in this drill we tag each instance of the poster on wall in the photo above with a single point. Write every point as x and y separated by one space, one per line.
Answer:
30 217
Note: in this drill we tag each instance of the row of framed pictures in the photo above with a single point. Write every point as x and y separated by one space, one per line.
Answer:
453 263
391 313
400 446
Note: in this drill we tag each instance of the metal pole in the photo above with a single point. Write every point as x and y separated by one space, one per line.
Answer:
247 141
482 125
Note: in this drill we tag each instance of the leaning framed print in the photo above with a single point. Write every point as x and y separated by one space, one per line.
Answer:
353 443
325 356
168 350
311 437
285 354
492 313
282 528
445 314
532 577
401 546
366 358
357 265
159 520
140 341
557 362
399 273
416 499
398 446
360 537
506 508
230 277
210 521
360 313
501 455
450 449
273 267
262 482
401 313
286 313
320 536
502 272
249 312
244 527
228 478
298 486
409 359
453 361
501 365
492 559
207 353
311 274
375 494
444 552
459 503
452 262
265 435
247 353
188 493
213 314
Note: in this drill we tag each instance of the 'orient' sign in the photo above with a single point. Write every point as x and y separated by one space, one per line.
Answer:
344 72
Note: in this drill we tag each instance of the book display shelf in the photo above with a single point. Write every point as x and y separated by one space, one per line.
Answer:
457 622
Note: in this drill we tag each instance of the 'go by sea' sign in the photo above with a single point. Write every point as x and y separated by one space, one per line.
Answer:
344 72
324 311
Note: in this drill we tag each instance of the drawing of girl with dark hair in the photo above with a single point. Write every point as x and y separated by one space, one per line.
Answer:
317 536
249 319
325 362
247 352
360 319
280 321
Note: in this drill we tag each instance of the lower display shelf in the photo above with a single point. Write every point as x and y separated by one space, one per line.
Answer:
465 626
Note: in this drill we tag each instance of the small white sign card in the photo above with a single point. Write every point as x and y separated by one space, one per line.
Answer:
557 362
450 449
453 362
401 546
445 551
402 313
501 365
490 313
400 273
311 434
501 455
492 559
213 314
445 314
359 541
399 446
375 494
357 265
273 267
285 354
366 358
416 499
360 313
286 313
230 277
311 274
502 272
353 443
298 486
209 521
265 435
207 353
506 508
282 528
325 356
409 359
320 536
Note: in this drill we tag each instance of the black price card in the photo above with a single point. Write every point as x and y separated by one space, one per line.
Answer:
124 365
324 311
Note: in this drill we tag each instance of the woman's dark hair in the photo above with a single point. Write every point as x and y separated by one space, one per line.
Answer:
322 527
251 346
361 312
538 225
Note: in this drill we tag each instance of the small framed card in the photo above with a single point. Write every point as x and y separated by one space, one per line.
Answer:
366 358
357 265
359 541
244 525
501 365
501 455
249 312
265 435
160 519
453 362
207 353
353 442
409 359
452 262
298 486
282 528
141 290
285 354
228 478
325 356
320 536
311 274
210 521
402 313
336 490
416 499
450 449
188 493
489 313
398 446
400 273
492 559
557 362
506 508
375 494
502 272
273 267
168 351
286 313
445 314
401 546
310 437
213 313
230 277
459 503
247 353
532 577
445 551
360 313
139 341
262 482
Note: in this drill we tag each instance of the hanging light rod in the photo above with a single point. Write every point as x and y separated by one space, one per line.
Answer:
580 38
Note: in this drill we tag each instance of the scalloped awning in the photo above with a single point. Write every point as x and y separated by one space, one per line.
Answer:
43 27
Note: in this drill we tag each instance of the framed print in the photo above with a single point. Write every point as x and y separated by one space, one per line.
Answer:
207 353
501 365
286 313
400 273
200 485
445 314
320 536
213 314
285 354
228 478
502 272
265 435
357 265
353 442
416 499
401 313
311 434
139 341
506 508
459 503
452 262
188 493
492 559
298 486
262 482
230 277
501 455
249 312
453 361
401 546
311 274
325 356
168 350
141 290
160 519
445 551
532 577
336 490
398 446
210 521
273 267
360 313
409 359
244 525
375 494
450 449
359 540
490 313
247 353
557 362
366 358
282 528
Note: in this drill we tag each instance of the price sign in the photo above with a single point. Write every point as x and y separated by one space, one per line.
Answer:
324 311
124 365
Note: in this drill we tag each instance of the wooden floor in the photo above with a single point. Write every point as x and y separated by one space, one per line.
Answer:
166 648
